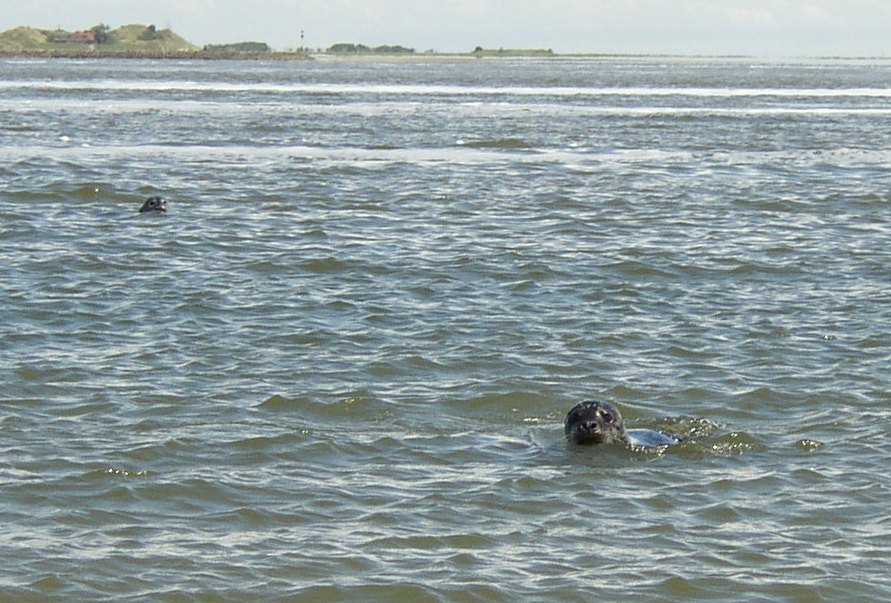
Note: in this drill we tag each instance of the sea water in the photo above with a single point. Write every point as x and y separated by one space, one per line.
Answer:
337 368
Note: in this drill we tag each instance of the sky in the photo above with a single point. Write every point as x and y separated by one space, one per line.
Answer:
749 27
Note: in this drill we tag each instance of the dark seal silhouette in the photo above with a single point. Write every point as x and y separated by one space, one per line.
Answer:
594 422
154 204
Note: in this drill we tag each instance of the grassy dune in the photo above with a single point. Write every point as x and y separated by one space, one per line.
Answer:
129 39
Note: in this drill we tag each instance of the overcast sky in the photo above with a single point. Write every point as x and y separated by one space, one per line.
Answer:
753 27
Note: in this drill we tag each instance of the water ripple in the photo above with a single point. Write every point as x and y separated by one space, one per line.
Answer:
338 367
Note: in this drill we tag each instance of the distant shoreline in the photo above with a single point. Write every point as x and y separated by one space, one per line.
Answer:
139 54
327 57
86 53
425 57
138 41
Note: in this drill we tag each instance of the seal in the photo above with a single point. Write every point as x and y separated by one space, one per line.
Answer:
595 422
154 204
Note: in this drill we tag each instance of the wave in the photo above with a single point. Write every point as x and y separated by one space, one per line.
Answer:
497 143
494 151
485 152
439 90
225 108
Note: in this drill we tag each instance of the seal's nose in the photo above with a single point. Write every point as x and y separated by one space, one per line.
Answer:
589 426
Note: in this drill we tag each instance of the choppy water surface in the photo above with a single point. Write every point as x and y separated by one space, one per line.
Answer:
338 367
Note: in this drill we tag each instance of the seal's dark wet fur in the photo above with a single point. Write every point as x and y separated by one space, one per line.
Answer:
154 204
593 422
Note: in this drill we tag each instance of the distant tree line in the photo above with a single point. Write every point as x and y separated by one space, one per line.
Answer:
347 48
238 47
479 51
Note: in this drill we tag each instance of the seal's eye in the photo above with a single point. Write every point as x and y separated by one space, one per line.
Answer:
153 203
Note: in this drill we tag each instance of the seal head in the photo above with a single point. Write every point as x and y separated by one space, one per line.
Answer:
593 422
154 204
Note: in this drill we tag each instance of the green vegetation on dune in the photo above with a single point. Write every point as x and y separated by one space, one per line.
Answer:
99 40
22 38
142 37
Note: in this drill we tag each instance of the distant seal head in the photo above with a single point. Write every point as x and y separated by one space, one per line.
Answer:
594 422
153 204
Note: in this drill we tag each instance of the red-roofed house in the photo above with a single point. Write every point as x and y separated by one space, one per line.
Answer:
81 37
